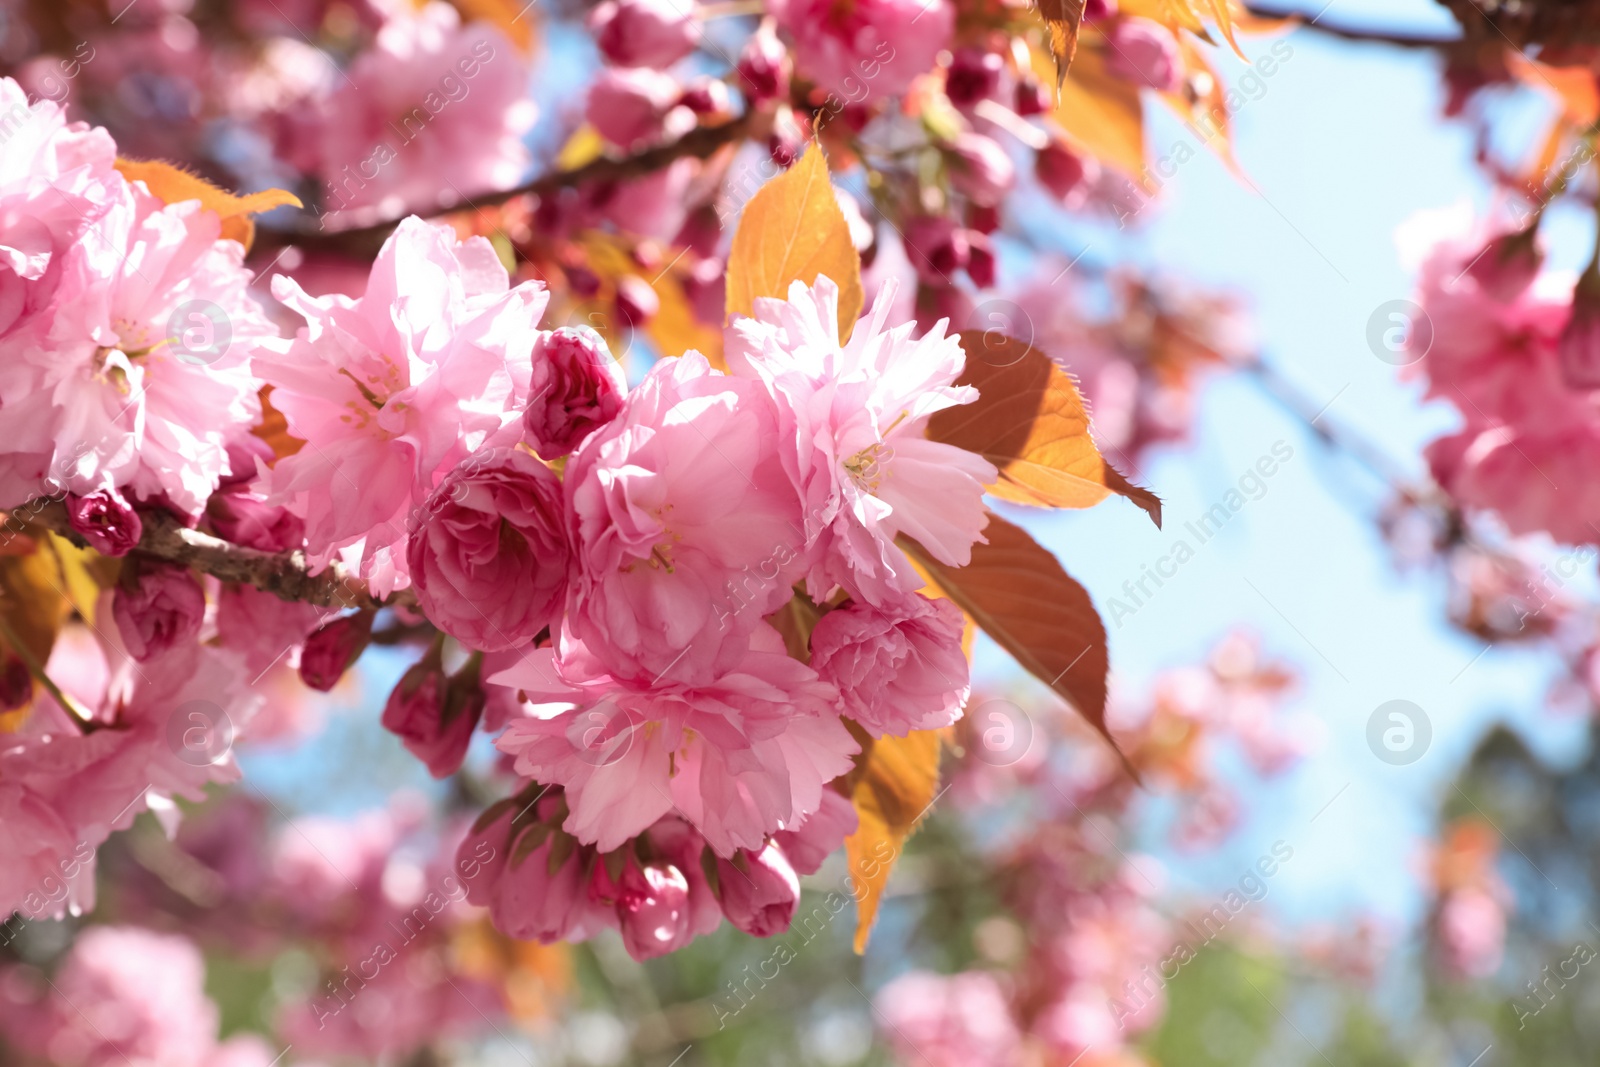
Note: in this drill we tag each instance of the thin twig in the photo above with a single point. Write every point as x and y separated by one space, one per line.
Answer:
1363 34
285 574
698 144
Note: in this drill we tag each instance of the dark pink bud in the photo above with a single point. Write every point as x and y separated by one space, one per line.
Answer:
637 302
106 521
1145 52
1032 98
1065 173
157 607
248 520
979 168
980 260
974 75
434 715
1095 10
707 96
333 647
16 683
937 248
644 33
1507 265
764 66
576 386
758 890
1580 342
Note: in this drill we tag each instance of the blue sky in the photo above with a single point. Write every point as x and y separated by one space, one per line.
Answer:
1344 144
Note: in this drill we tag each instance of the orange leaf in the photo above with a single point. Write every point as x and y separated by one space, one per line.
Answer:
1031 422
1021 597
1208 116
1222 14
793 230
1063 18
173 186
1099 112
274 428
896 782
1574 88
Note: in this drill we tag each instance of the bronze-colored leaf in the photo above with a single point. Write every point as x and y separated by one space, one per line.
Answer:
173 185
1031 422
894 785
1019 595
1063 18
1099 112
792 230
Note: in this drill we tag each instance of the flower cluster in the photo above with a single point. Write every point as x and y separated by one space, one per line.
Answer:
1505 343
683 603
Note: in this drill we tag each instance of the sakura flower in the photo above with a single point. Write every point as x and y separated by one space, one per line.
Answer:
161 729
850 427
959 1020
56 180
645 33
433 110
634 107
899 668
134 375
156 608
820 834
128 995
490 558
652 906
684 526
759 890
739 757
1144 52
391 389
865 49
576 386
532 893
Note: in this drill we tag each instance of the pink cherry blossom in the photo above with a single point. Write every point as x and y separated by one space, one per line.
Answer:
576 386
759 890
159 730
128 995
850 429
739 758
394 387
645 33
959 1020
898 668
865 49
819 834
634 107
157 607
490 557
135 374
1145 52
431 115
685 528
56 180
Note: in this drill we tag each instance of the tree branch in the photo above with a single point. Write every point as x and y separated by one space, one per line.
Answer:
700 143
1361 34
284 574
